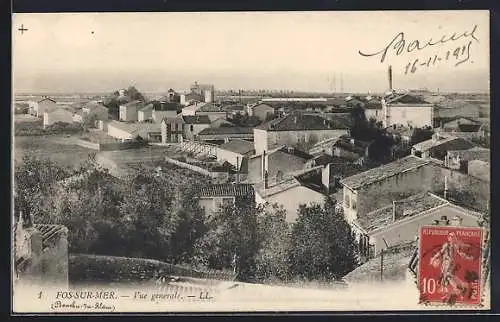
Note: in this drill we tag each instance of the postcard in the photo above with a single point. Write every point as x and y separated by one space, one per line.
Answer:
250 161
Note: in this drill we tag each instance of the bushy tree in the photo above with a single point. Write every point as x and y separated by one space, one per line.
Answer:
272 261
35 183
322 244
231 240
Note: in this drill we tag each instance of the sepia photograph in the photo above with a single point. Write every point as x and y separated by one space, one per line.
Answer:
250 161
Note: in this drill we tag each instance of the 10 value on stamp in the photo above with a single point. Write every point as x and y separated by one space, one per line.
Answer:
450 265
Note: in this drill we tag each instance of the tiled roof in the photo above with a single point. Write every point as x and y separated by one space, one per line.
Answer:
194 96
226 130
385 171
133 128
476 153
373 104
282 186
46 99
233 107
211 107
404 99
408 207
94 105
439 149
172 119
396 260
358 147
238 146
49 233
147 108
296 152
166 106
227 189
196 119
136 104
302 122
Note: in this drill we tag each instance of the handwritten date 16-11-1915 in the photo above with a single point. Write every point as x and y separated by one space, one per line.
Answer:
459 55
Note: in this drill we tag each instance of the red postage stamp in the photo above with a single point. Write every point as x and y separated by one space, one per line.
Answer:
450 265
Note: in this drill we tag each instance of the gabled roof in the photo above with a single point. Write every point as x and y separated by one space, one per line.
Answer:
136 104
296 152
134 128
226 130
409 207
405 98
147 108
172 119
210 107
443 144
373 105
238 146
262 105
383 172
227 190
302 122
357 146
94 105
166 106
46 99
196 119
233 107
396 260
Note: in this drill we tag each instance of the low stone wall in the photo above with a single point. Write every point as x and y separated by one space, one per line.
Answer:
88 144
214 175
110 146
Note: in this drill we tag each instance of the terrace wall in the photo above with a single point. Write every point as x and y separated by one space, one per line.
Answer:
110 146
222 176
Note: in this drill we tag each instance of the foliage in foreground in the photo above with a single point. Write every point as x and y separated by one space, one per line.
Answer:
158 216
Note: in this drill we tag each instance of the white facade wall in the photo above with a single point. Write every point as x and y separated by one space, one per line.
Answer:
42 106
144 116
128 113
273 138
208 96
117 133
292 198
260 141
59 115
410 115
229 156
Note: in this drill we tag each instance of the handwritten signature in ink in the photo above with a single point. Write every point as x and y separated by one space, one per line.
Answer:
399 45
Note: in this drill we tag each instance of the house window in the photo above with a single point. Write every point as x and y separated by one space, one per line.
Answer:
279 176
222 202
353 204
191 128
347 200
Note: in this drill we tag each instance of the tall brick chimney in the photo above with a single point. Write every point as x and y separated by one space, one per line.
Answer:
390 77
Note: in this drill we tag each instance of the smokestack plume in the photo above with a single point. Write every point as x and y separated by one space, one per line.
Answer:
390 77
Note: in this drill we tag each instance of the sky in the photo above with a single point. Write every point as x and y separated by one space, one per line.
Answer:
311 51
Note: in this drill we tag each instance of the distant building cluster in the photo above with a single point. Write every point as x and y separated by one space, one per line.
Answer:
302 150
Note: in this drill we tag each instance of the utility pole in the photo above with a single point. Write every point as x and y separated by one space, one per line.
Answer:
382 265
